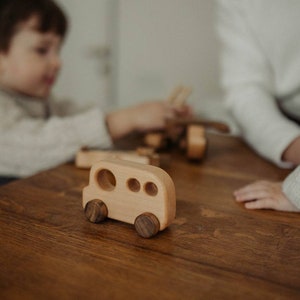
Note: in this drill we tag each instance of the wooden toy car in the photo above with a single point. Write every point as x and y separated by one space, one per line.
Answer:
139 194
185 133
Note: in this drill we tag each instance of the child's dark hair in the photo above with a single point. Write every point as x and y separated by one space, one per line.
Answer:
13 12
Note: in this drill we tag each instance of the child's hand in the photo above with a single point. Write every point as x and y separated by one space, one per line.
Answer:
264 195
144 117
153 115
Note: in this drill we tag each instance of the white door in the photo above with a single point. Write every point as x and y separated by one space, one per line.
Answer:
163 43
85 76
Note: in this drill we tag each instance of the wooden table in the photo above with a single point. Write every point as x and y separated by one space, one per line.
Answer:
215 249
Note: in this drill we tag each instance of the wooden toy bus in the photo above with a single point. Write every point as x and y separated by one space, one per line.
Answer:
139 194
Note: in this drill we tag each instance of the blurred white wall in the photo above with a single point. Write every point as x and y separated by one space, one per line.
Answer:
84 77
153 46
163 43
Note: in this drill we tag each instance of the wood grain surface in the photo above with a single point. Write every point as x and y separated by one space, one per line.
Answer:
215 249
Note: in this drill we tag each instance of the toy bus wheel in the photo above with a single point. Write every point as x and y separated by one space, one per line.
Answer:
96 211
146 225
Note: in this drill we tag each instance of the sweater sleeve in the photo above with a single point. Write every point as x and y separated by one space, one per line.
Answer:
29 145
291 187
248 83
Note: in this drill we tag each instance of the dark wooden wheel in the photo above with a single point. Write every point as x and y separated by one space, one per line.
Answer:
196 142
146 225
96 211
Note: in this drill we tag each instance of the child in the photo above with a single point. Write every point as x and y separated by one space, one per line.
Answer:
261 77
34 133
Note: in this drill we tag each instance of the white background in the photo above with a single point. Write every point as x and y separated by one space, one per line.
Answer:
153 44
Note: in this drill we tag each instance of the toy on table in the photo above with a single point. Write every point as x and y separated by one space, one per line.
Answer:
186 133
192 138
134 193
177 98
85 157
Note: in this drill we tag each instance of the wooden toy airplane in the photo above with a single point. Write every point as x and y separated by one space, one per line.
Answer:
131 192
188 133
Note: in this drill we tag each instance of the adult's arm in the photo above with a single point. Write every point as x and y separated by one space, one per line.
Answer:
248 83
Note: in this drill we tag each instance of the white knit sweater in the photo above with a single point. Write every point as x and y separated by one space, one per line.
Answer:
260 67
291 187
260 63
35 136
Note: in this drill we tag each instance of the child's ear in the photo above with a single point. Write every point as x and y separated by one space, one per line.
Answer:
2 55
1 60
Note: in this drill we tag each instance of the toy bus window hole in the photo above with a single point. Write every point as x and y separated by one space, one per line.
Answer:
106 180
133 184
151 189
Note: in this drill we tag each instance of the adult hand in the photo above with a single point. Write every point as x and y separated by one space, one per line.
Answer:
264 195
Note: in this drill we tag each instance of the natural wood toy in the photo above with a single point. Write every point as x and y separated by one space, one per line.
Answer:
85 157
177 97
134 193
195 142
185 133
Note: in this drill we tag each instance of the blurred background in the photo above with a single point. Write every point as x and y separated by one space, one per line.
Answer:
120 52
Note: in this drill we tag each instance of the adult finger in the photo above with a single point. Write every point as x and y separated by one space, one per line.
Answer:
252 193
265 203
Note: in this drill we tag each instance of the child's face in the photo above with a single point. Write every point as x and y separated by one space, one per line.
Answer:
32 62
